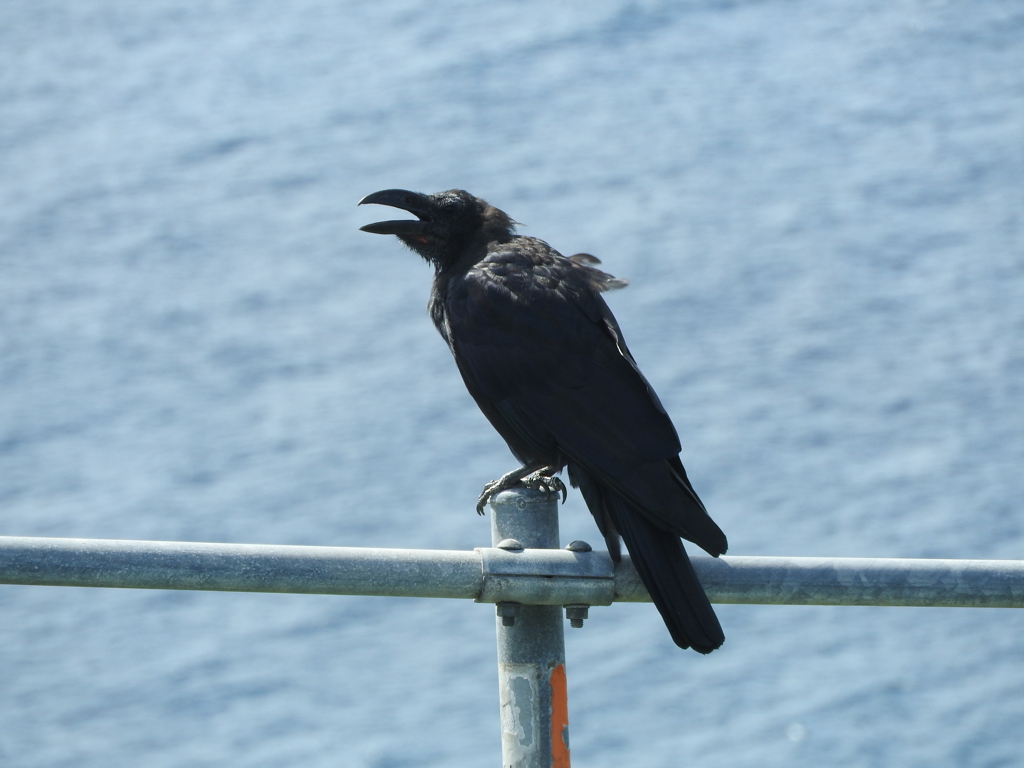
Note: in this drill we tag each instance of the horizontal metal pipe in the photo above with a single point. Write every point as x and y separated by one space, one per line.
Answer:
848 581
464 574
239 567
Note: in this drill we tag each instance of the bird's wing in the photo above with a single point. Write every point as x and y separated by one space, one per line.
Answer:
538 344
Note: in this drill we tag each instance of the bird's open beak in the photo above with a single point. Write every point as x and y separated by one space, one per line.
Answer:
413 202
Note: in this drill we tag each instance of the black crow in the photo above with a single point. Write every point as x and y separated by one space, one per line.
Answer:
545 360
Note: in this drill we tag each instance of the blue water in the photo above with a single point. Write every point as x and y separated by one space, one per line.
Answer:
820 209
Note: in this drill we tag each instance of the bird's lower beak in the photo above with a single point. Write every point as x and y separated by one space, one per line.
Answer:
414 202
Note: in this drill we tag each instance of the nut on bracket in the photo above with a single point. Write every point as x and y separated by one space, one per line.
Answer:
576 614
508 612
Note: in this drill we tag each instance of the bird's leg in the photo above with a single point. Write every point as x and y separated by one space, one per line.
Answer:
535 476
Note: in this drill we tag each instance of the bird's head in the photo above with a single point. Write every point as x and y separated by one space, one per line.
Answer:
447 224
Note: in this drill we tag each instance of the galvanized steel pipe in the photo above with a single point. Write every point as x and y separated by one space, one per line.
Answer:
489 575
239 567
532 689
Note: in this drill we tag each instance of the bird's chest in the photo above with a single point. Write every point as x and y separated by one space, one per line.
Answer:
467 306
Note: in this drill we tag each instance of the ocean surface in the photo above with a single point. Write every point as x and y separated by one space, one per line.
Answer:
820 209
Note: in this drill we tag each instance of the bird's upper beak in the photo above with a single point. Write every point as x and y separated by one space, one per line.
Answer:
413 202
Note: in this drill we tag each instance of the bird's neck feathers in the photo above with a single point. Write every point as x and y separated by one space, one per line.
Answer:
497 226
464 247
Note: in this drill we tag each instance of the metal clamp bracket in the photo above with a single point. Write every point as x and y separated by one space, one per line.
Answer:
546 577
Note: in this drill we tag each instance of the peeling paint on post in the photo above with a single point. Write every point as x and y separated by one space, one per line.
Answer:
520 717
531 652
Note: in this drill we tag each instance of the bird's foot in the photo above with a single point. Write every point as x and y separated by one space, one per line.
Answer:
503 483
529 477
542 481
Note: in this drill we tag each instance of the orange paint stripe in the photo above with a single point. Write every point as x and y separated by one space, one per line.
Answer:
559 719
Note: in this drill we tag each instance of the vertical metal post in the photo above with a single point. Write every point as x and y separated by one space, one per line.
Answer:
531 644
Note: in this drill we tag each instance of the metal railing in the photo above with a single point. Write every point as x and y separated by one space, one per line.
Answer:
524 574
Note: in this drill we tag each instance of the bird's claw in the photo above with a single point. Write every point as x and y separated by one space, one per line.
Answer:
549 484
489 490
536 481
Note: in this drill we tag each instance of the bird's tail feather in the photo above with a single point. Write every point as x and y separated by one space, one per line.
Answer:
661 562
668 574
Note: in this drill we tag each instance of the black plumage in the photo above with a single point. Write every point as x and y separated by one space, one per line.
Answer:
545 360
